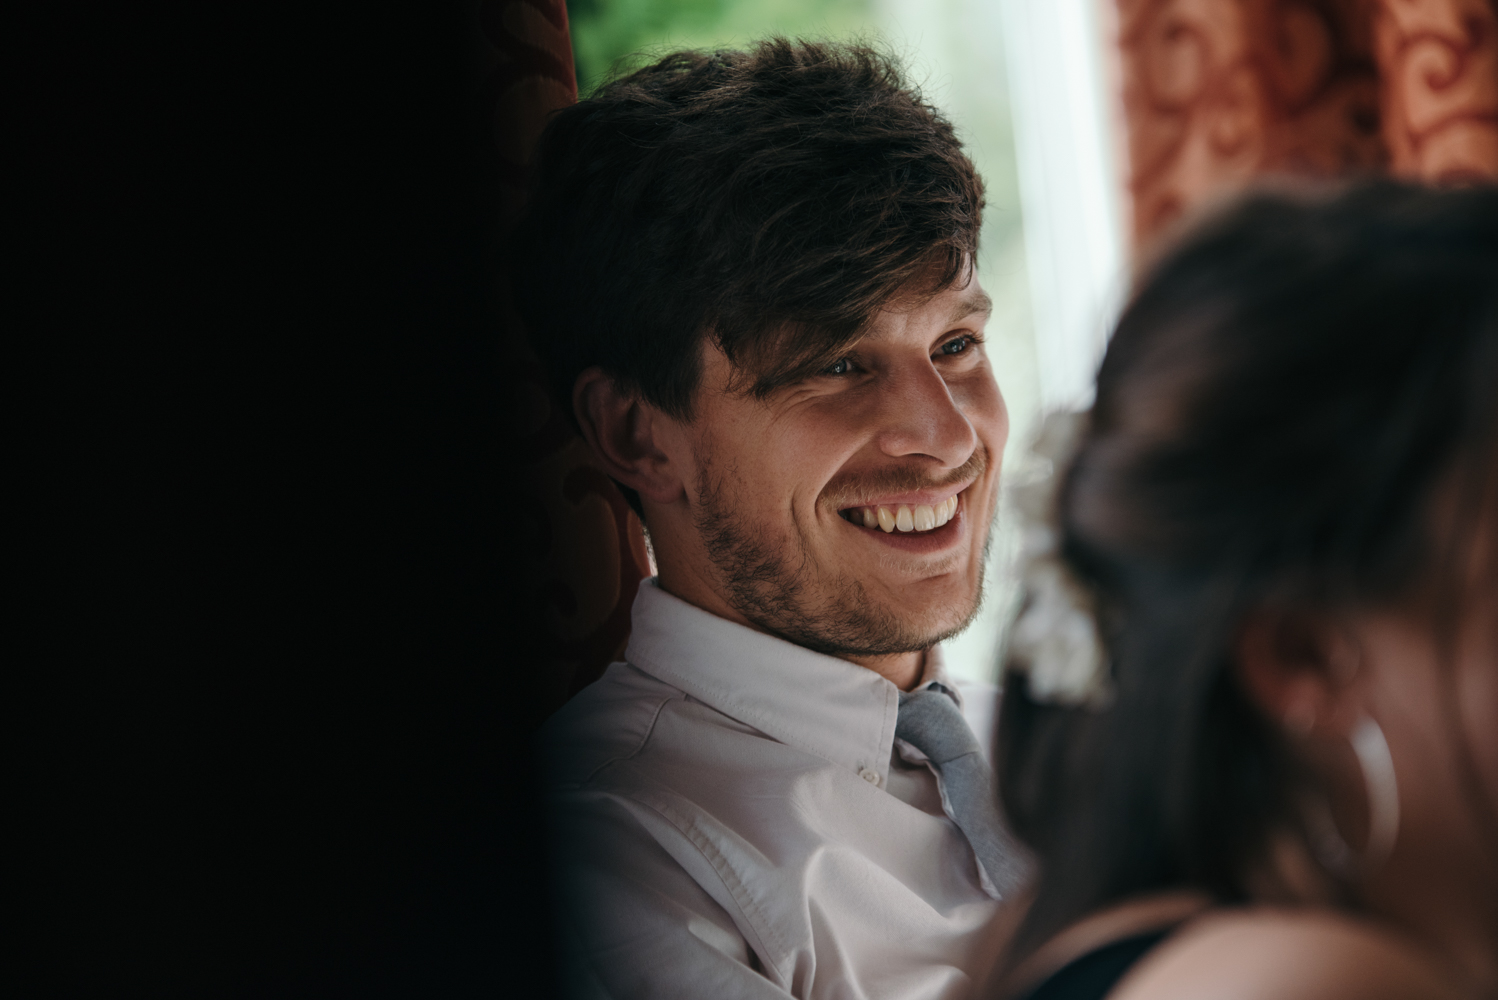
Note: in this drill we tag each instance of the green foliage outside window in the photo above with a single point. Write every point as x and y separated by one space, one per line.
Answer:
607 31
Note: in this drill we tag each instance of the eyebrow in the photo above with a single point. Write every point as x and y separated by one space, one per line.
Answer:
979 302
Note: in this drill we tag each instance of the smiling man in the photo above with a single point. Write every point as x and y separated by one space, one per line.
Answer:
753 274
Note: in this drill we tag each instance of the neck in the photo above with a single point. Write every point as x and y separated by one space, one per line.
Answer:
1440 906
1443 906
903 670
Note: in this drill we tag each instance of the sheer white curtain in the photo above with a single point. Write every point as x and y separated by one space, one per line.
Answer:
1071 183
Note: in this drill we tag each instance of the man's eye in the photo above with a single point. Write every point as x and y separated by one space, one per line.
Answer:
956 346
841 366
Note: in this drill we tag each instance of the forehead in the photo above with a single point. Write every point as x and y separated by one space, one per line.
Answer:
931 312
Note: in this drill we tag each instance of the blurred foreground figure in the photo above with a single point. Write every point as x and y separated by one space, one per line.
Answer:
1250 726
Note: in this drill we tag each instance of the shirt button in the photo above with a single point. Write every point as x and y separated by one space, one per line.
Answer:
870 775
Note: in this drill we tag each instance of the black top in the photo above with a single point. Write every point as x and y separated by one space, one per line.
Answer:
1095 973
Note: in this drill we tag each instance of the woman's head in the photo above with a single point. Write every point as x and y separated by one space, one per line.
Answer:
1286 507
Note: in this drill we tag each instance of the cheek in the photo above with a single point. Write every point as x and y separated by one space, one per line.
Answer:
807 453
1418 696
775 472
1477 696
977 393
1404 681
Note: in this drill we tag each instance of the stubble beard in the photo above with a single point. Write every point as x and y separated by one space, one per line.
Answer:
771 583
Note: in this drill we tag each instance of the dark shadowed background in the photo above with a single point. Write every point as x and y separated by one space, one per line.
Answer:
275 675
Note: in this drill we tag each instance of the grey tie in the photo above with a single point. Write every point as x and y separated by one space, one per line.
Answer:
931 722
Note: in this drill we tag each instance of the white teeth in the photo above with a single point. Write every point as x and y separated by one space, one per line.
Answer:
904 517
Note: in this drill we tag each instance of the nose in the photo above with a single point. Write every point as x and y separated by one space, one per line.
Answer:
920 418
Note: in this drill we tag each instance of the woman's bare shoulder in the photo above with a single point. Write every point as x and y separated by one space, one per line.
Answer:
1286 954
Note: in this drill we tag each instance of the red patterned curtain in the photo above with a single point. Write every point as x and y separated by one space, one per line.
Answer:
1216 92
584 554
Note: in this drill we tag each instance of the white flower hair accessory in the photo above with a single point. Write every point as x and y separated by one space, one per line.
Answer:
1055 640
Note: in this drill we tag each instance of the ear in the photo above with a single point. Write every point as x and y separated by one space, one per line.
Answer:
629 436
1299 668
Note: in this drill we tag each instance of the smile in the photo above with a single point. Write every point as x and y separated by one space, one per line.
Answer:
903 517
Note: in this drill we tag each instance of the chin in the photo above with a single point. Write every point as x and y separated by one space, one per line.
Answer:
939 615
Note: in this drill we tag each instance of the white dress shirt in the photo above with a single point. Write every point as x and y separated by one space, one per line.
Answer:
732 818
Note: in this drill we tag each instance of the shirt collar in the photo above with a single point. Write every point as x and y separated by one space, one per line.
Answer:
934 675
835 709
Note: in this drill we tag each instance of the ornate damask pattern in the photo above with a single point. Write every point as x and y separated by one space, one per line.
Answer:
588 555
528 74
586 551
1216 92
1219 92
1439 62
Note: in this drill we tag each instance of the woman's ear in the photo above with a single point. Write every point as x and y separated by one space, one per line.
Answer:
1298 667
628 436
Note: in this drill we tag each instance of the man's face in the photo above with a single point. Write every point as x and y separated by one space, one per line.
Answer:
849 513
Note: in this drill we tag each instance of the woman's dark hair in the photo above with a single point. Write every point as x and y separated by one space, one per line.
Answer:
1284 401
772 199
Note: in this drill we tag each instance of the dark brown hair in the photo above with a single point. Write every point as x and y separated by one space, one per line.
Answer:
1282 404
773 199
